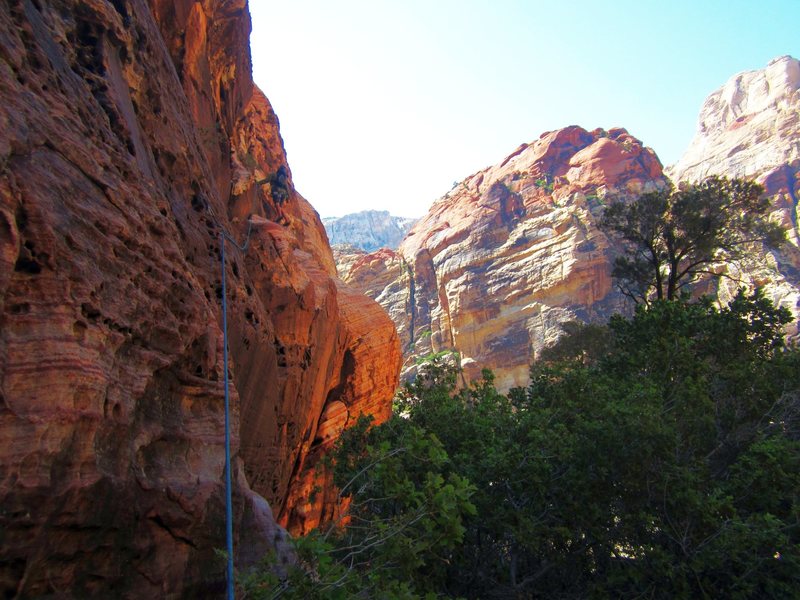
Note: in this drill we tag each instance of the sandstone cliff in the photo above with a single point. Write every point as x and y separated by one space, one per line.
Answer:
750 128
367 230
510 253
130 133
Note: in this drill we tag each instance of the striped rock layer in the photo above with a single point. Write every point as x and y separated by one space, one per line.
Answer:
131 134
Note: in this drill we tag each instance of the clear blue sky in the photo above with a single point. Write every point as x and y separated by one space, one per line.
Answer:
383 104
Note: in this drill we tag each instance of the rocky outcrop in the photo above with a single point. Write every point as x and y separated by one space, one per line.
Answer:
751 128
367 230
510 253
386 277
130 135
748 126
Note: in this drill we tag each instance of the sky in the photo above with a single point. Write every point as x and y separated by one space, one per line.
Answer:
383 104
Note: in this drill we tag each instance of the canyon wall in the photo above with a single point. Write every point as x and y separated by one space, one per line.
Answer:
750 128
510 253
131 135
513 251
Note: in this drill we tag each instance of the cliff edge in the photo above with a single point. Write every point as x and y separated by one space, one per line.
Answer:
131 134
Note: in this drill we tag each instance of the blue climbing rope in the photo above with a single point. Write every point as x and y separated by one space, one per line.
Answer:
228 499
228 492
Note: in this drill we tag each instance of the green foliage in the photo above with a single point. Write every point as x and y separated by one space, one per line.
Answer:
545 183
673 236
434 356
581 342
594 199
405 517
653 441
407 501
315 575
655 457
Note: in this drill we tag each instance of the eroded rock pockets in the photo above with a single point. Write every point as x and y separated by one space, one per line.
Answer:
130 132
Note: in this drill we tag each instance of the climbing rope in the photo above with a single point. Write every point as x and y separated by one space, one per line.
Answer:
228 499
228 492
230 238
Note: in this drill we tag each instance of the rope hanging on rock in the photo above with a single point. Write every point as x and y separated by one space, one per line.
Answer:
228 492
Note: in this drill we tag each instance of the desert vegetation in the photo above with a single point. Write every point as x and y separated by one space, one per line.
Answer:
656 456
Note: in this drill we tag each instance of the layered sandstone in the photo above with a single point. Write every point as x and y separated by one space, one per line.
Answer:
386 277
750 128
130 135
510 253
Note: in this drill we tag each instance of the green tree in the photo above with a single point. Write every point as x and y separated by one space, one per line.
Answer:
655 457
667 445
407 503
671 237
404 518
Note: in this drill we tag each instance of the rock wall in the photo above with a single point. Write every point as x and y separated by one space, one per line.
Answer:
510 253
750 128
130 134
513 251
746 127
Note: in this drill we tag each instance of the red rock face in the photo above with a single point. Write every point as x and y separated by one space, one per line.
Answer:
513 251
510 253
129 134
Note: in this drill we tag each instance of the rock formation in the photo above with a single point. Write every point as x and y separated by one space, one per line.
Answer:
130 135
750 128
367 230
510 253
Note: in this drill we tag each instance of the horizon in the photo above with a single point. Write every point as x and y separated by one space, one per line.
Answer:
383 106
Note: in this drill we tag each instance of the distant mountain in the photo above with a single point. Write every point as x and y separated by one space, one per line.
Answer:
368 229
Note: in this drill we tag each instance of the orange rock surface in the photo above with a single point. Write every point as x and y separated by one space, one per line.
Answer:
513 251
510 253
130 133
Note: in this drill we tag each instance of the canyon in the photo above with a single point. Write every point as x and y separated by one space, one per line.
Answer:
132 136
513 251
